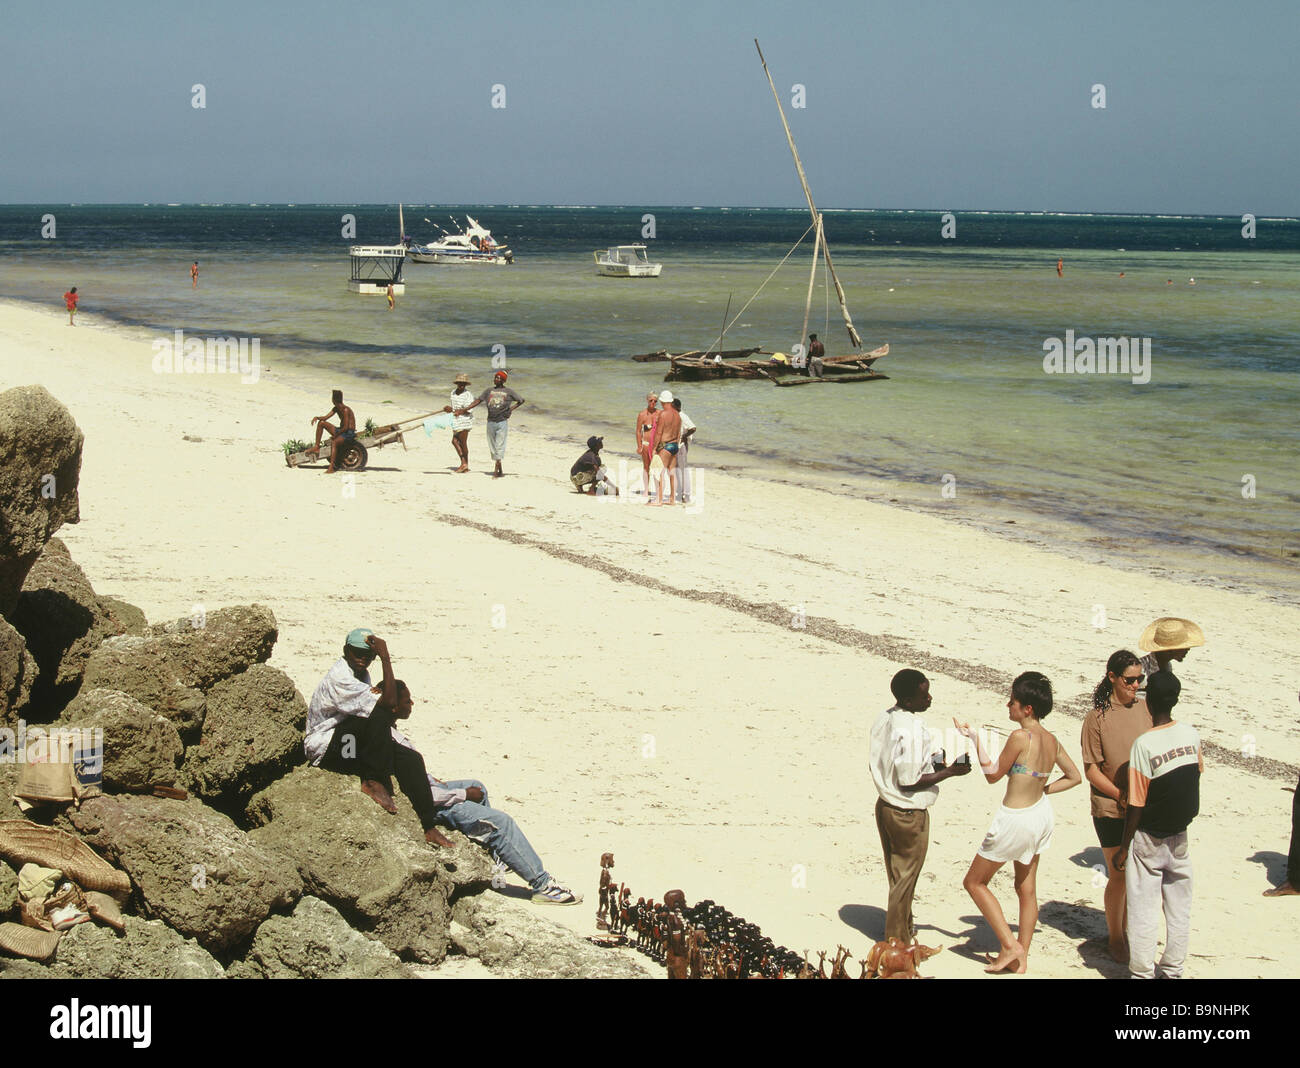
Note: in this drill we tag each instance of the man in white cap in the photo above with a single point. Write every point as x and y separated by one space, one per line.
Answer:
350 730
1166 640
665 441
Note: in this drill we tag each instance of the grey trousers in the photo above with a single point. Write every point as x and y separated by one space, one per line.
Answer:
1158 873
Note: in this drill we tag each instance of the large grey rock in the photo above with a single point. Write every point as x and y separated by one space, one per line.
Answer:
62 620
317 943
8 890
170 667
40 463
252 735
515 940
376 869
148 949
141 748
18 671
190 865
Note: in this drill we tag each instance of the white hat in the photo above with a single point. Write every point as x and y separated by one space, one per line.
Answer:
666 397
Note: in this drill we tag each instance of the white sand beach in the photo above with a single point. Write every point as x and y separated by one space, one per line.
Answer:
632 680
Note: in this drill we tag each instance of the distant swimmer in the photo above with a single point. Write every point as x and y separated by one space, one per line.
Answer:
1191 281
1121 274
194 275
1060 268
70 299
391 301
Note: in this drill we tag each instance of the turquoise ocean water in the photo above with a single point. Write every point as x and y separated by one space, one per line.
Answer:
1195 470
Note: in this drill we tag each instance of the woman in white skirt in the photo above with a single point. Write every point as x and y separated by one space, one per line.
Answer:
1022 828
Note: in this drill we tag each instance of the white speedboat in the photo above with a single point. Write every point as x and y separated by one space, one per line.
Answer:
474 244
626 261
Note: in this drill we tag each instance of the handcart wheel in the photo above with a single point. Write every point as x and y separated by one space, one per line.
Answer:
354 457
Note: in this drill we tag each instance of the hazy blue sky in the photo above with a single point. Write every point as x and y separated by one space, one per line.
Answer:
910 104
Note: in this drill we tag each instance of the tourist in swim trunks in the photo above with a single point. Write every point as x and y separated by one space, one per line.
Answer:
1022 828
665 440
346 430
1118 716
645 425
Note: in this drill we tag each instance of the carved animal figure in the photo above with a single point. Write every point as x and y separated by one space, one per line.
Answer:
837 968
894 960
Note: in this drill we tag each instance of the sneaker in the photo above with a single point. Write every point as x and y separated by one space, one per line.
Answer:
555 894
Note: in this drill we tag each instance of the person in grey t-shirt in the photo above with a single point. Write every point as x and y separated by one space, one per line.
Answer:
501 402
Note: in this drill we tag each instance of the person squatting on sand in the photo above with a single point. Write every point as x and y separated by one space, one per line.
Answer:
1118 716
645 425
501 403
1164 796
462 422
350 730
589 471
346 431
906 767
1291 884
1022 828
665 440
462 805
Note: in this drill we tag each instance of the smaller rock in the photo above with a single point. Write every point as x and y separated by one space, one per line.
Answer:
512 939
8 891
141 748
148 950
63 622
317 943
18 672
125 616
252 735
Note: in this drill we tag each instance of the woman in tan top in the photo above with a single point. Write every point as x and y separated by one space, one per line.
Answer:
1118 716
1022 828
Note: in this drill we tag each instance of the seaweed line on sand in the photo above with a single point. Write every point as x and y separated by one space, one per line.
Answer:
882 645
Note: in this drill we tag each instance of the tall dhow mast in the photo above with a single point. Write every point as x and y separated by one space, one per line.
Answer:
812 207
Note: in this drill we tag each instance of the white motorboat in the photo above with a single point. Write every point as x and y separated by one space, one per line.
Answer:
474 244
626 261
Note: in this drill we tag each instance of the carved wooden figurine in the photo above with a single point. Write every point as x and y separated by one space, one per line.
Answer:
606 881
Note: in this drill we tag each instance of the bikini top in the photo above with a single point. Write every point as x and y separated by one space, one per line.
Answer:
1023 769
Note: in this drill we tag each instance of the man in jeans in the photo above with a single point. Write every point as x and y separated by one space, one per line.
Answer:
907 767
1164 796
462 805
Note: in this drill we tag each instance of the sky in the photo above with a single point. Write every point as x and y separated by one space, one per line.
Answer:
914 104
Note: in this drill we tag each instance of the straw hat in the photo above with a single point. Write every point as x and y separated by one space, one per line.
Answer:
460 380
1170 632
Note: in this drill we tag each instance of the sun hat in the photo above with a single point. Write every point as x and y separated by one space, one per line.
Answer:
356 639
460 379
1170 632
666 397
595 444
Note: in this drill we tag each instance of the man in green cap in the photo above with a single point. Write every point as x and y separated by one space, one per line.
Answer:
350 730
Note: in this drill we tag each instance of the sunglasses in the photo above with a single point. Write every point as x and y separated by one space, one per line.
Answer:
1131 680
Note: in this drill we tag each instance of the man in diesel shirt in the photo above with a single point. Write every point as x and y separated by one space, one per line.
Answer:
1164 796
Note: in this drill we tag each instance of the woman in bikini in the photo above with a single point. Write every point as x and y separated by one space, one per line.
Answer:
1022 828
645 426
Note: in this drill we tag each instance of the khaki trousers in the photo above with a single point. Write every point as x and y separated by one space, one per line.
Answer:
905 837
